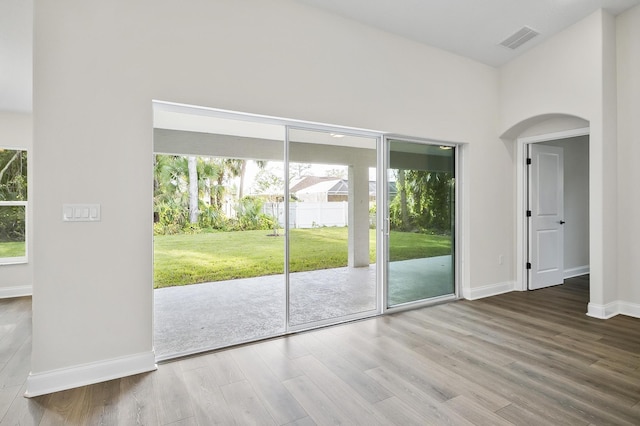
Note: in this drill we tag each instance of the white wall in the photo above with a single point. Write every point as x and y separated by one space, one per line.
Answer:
576 203
16 133
99 65
571 74
628 53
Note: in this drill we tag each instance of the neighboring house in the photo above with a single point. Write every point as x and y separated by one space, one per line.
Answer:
330 189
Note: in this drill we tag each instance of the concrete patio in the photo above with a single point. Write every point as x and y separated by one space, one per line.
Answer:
204 316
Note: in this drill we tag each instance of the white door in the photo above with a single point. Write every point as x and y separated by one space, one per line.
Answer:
546 204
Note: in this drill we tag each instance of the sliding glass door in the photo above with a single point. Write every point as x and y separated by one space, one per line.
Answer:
331 226
265 226
421 222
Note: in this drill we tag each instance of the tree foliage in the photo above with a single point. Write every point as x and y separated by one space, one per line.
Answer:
197 193
13 175
424 202
13 187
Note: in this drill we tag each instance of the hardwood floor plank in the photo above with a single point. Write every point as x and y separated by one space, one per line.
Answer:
321 409
519 415
7 395
502 313
505 384
346 348
430 409
398 413
278 362
608 366
23 411
592 405
245 405
102 408
138 401
278 401
307 421
13 335
18 367
342 366
173 394
341 393
191 421
404 364
600 350
366 387
429 376
224 368
292 346
440 383
475 413
207 401
66 407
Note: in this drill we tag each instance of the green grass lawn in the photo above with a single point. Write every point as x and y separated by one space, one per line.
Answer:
190 259
12 249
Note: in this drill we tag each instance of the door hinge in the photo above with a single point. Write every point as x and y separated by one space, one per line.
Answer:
528 161
528 213
528 265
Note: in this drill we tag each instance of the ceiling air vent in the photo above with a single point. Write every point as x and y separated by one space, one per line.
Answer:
519 38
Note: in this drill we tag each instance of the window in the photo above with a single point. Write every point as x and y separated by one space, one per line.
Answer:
13 206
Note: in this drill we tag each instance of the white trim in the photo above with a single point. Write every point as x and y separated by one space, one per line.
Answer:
576 272
521 199
565 134
16 291
603 311
612 309
159 105
490 290
629 309
87 374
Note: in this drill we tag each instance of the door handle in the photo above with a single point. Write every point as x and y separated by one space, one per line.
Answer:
562 222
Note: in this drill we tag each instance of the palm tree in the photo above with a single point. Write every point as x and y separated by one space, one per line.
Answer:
193 189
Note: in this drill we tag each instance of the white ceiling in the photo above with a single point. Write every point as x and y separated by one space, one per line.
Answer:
471 28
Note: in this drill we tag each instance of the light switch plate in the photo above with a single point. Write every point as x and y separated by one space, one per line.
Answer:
81 213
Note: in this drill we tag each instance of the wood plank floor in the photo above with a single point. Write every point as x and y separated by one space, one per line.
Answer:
531 358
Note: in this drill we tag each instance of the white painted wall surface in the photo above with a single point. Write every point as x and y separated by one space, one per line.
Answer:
628 54
571 74
16 133
576 202
99 65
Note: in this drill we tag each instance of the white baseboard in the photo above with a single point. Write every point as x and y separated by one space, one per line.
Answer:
629 309
576 272
490 290
602 311
17 291
87 374
612 309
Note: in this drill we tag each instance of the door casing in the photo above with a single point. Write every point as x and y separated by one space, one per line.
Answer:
521 197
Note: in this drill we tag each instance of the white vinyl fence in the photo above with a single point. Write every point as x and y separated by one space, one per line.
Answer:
310 215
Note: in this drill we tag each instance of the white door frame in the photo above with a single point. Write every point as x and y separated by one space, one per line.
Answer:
521 197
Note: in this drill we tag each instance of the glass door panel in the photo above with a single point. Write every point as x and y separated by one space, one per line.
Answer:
421 195
331 228
219 244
